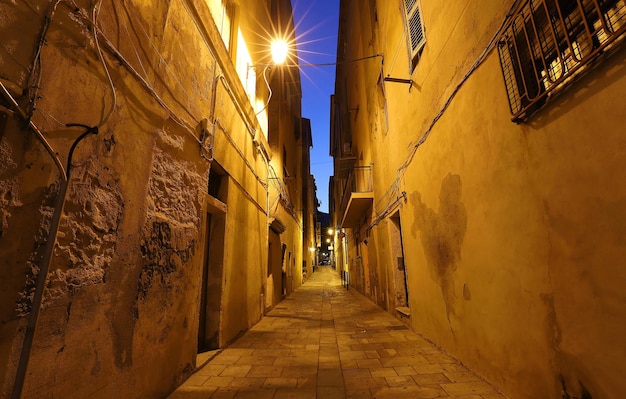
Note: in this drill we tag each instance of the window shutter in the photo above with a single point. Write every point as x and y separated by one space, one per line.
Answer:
415 28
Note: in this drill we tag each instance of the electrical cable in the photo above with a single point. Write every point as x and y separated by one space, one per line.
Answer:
247 120
117 54
327 63
269 96
283 195
162 60
395 56
130 40
88 130
175 118
37 132
46 114
34 78
219 124
395 187
95 13
46 259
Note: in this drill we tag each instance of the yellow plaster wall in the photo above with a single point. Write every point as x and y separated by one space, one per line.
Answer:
513 234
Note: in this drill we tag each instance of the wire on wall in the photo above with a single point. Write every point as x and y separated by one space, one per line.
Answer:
95 13
34 78
269 89
162 59
34 128
116 53
283 195
394 193
219 124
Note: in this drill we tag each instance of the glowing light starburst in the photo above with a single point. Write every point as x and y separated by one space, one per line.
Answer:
280 50
294 40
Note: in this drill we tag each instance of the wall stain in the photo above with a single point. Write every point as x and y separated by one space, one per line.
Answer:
442 233
573 376
162 257
171 230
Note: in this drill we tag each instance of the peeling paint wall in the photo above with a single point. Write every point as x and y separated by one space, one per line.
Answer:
513 234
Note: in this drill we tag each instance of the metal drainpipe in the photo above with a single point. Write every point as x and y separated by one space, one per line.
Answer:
33 317
42 275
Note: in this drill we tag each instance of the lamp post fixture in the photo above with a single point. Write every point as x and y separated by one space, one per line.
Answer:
280 50
314 256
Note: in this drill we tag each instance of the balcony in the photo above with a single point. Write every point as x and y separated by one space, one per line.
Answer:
358 195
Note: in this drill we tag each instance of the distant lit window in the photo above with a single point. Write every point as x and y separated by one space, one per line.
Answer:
223 12
285 170
548 43
415 30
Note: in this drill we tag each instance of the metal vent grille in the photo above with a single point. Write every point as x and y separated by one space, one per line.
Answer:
549 42
416 30
409 5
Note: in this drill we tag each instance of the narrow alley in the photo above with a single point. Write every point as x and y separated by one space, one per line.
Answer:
328 342
173 172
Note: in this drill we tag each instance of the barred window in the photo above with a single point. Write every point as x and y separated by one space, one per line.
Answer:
414 30
548 43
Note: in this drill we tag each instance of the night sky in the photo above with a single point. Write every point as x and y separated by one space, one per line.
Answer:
316 31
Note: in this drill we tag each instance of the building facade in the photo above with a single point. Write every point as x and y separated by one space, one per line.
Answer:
150 169
477 149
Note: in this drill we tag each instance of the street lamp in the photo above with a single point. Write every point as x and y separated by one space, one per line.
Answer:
315 258
280 50
331 247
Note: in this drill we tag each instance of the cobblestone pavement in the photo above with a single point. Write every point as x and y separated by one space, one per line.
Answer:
328 343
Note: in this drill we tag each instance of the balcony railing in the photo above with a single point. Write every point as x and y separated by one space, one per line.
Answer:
357 193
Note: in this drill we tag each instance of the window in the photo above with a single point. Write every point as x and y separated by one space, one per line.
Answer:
218 182
223 12
414 31
285 170
550 42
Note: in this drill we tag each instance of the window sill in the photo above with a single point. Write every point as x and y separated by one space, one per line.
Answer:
404 311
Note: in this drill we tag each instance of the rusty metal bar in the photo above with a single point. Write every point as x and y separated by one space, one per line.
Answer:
549 42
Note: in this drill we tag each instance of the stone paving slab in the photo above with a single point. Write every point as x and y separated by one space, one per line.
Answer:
324 342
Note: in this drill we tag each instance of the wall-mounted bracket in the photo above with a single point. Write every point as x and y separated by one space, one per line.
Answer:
399 80
207 134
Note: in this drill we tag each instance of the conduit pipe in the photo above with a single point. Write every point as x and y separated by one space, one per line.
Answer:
44 266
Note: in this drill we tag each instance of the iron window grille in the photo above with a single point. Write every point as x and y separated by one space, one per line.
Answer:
548 43
415 31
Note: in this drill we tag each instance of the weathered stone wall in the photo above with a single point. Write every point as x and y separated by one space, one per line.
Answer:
120 313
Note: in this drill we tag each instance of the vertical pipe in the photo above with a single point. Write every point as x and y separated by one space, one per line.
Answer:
42 275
